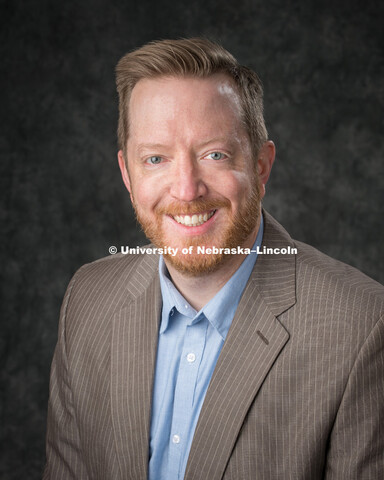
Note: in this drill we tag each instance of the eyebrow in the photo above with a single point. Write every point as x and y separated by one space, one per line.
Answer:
142 146
214 140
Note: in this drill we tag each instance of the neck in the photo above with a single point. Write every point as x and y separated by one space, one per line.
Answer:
199 290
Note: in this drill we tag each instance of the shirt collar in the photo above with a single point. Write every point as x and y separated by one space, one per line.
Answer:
221 309
172 298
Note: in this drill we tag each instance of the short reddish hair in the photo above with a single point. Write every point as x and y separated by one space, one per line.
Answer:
196 57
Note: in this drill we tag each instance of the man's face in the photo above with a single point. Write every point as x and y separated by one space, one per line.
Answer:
191 174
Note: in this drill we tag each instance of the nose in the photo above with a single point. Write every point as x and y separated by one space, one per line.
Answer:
187 181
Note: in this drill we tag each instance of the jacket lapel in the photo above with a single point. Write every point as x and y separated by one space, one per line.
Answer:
254 341
133 356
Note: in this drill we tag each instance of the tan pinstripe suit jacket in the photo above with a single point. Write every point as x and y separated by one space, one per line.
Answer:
297 393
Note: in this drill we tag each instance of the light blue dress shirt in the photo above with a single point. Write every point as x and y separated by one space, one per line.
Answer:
188 348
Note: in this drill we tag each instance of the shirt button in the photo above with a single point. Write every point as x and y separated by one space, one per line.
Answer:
172 312
191 357
176 439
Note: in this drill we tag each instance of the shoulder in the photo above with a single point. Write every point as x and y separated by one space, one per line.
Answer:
107 271
337 302
101 272
326 275
106 285
325 289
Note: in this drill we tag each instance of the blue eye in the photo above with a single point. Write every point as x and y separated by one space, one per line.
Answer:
216 155
155 160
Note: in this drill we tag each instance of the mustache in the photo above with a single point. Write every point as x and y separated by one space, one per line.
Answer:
195 206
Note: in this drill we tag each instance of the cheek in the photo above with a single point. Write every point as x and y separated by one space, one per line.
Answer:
236 187
145 192
145 199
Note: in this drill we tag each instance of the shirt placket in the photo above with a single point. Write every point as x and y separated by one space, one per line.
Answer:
187 378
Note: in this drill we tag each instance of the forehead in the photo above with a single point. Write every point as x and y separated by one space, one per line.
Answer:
167 104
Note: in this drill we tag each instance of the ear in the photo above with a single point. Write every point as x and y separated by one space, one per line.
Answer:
124 172
265 161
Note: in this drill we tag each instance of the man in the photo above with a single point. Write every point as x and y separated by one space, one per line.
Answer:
215 360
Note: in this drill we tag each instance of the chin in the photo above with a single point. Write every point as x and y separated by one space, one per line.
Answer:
195 265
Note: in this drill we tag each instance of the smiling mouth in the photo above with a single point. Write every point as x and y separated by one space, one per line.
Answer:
194 220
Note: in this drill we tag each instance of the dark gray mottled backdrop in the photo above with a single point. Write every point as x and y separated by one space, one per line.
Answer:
63 203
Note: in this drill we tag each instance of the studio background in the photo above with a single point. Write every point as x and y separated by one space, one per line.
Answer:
64 204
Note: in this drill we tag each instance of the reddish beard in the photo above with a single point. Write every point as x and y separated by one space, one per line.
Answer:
239 227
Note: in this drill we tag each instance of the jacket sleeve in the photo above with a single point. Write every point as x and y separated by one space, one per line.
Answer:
63 445
356 448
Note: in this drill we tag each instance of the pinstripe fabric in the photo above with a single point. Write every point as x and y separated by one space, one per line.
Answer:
297 393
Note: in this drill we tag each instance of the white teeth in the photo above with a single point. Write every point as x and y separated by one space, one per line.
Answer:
195 220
